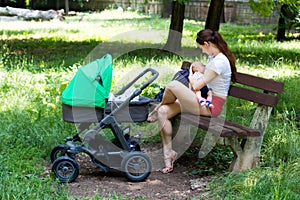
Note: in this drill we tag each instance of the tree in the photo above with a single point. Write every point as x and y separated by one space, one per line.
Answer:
175 31
281 23
214 15
177 19
288 13
287 18
67 7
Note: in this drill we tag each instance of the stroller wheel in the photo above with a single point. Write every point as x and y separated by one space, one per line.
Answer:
58 151
65 169
136 166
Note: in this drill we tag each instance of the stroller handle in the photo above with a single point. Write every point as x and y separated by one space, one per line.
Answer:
154 74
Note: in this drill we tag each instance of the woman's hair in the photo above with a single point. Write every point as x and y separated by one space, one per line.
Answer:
214 37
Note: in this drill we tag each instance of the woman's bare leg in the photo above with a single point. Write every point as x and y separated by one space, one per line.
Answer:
177 98
187 98
165 113
168 98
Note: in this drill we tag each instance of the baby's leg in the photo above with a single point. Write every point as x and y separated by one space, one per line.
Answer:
209 96
209 99
201 100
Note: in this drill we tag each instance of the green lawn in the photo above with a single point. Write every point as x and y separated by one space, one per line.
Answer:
39 58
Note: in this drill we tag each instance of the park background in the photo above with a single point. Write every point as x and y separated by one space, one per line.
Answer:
38 58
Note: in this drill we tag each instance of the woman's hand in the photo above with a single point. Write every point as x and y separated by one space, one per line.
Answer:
196 84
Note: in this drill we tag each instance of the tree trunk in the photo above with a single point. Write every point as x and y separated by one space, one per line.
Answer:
214 15
67 7
27 14
222 18
57 4
281 23
287 17
175 32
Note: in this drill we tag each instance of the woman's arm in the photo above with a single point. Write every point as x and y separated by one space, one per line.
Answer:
207 77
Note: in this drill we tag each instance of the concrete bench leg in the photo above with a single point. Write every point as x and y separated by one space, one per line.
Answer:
247 151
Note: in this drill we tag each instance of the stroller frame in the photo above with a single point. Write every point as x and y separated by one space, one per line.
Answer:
128 158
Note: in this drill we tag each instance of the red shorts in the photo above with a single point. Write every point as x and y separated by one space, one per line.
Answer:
218 103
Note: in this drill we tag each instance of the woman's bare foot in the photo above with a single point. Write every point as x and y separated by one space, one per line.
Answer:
169 162
152 117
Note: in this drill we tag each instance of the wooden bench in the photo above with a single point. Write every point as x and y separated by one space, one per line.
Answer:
245 141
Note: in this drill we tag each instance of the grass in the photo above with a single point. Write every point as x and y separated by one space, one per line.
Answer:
265 183
39 58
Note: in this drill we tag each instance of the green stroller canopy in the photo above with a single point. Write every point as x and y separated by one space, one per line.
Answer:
91 84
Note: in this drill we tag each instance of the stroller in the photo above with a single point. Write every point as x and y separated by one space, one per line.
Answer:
85 102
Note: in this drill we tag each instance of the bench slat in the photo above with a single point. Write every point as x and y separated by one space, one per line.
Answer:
260 83
250 95
203 123
249 131
219 126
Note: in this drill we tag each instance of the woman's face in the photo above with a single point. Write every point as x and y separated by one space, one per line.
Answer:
204 47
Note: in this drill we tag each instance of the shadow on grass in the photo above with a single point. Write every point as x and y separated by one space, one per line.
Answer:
53 53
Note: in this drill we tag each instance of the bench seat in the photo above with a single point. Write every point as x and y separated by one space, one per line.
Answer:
218 126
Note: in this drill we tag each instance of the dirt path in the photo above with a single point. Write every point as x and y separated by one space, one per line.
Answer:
176 185
171 186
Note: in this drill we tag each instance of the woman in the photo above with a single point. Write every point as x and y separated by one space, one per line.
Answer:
178 98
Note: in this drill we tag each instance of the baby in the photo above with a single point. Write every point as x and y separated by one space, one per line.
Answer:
205 91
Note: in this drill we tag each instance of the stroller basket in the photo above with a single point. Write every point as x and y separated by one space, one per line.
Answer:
79 114
137 111
85 100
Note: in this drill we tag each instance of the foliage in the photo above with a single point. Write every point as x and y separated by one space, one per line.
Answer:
263 7
266 7
38 59
294 19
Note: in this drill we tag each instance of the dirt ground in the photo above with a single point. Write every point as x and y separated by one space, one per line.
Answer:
176 185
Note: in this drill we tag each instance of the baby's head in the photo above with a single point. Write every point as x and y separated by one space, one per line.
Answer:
200 69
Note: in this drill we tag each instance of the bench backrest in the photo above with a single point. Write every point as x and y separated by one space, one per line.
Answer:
259 90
